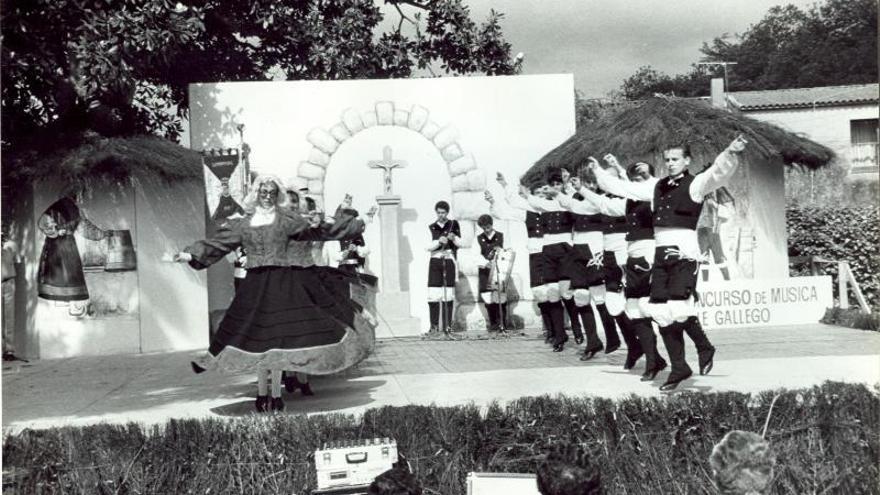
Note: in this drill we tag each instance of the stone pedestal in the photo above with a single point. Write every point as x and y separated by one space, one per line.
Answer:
392 304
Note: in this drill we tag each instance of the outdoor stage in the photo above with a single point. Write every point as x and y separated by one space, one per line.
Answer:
153 388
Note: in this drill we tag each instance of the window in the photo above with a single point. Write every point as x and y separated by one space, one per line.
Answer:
865 139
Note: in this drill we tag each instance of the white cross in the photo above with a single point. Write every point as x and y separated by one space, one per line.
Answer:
387 164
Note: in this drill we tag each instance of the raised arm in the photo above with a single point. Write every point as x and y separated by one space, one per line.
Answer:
613 207
202 254
580 207
638 191
720 172
344 226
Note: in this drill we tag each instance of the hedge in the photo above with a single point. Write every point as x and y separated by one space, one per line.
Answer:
824 439
841 234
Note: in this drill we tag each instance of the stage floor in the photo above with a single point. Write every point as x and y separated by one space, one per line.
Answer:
153 388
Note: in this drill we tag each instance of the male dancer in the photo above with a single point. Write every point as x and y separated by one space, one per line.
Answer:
491 242
520 210
676 204
587 275
446 237
637 330
558 255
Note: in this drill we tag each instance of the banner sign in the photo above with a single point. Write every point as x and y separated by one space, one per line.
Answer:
768 302
226 181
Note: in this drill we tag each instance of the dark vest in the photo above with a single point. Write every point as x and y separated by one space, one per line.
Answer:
557 222
588 223
438 231
673 206
639 220
534 224
488 245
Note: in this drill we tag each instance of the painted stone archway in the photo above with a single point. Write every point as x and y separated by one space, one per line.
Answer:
468 181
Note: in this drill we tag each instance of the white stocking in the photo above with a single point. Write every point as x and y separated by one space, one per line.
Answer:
262 382
276 383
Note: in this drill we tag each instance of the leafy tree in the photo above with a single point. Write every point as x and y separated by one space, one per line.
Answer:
121 67
832 43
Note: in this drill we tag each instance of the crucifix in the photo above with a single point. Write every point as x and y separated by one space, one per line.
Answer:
387 164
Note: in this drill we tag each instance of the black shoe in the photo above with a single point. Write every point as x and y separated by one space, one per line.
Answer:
612 347
290 383
706 361
433 329
650 375
262 403
632 358
196 368
589 353
306 389
672 382
277 404
578 340
559 347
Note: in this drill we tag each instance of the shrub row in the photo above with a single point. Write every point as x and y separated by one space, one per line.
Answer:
825 440
841 234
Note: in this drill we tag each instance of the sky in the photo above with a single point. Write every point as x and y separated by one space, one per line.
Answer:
602 42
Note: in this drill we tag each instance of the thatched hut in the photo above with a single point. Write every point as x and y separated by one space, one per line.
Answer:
642 131
92 221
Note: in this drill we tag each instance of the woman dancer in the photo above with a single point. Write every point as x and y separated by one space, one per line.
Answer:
283 317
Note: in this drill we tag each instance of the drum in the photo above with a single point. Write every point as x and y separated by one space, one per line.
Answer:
120 252
500 269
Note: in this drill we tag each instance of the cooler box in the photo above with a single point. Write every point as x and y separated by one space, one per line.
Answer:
353 464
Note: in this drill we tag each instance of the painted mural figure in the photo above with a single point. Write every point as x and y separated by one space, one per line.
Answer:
60 276
284 316
708 230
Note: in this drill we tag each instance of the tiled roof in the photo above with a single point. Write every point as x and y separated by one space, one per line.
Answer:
805 97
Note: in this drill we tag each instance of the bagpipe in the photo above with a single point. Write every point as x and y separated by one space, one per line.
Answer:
500 268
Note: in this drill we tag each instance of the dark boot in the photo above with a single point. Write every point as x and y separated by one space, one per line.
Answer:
612 341
654 363
725 273
277 404
557 319
705 349
572 311
447 309
262 403
492 312
594 344
544 307
502 316
633 347
434 311
306 388
673 339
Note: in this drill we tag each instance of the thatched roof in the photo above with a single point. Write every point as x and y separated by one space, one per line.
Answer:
645 130
115 159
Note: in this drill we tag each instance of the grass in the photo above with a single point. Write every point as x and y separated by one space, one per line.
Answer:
825 440
852 318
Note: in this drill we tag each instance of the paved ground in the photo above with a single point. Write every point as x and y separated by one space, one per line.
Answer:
155 387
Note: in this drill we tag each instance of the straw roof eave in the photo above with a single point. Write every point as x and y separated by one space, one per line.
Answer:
645 130
96 159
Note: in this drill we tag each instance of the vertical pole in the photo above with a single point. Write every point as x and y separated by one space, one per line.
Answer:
841 285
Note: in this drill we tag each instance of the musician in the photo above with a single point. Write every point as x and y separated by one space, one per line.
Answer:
446 239
353 253
676 204
517 208
492 291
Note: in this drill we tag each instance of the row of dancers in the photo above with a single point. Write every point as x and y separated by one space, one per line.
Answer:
616 238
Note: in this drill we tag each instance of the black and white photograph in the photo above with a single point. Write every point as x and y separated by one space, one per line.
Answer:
440 247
